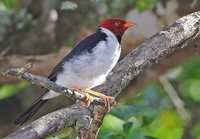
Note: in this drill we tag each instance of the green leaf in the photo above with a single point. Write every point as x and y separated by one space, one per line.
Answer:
149 115
112 123
127 126
11 4
195 130
10 89
124 112
145 4
2 6
194 90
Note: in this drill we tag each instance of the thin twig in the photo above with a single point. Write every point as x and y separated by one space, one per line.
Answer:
21 73
194 2
4 52
178 103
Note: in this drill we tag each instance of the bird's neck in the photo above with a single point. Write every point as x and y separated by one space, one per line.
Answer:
108 33
119 38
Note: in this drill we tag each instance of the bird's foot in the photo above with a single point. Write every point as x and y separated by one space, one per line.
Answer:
88 98
107 99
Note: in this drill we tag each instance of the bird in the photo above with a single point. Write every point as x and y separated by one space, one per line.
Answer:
86 66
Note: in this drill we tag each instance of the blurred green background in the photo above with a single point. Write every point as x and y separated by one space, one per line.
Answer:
162 103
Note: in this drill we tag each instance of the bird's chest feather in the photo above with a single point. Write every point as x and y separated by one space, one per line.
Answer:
91 68
102 59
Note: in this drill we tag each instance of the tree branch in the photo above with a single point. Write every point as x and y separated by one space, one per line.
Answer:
41 67
87 124
74 115
21 73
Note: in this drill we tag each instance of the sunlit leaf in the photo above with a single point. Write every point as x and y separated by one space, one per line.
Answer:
10 89
11 4
167 125
2 6
112 123
144 4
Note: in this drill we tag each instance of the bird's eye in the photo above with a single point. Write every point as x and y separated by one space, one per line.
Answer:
117 24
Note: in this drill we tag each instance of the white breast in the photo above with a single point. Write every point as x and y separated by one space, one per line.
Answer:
90 69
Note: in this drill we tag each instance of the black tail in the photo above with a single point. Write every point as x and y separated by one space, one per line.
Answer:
29 112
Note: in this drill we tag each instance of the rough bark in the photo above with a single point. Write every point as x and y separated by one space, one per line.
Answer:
88 120
155 71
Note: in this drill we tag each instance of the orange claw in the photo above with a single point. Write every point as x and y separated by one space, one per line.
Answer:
106 99
88 98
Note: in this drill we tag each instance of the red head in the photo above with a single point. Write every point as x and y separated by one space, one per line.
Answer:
116 25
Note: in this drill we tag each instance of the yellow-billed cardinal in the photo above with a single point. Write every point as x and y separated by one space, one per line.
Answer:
87 65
